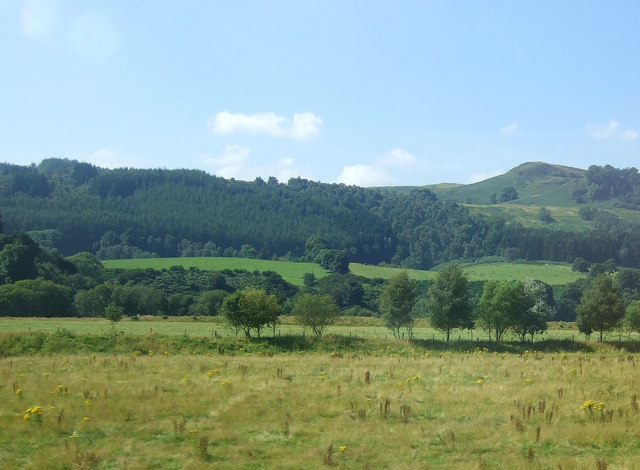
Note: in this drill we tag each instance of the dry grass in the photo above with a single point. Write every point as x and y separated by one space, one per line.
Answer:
390 409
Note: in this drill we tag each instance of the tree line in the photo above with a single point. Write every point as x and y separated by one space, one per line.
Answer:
36 281
73 207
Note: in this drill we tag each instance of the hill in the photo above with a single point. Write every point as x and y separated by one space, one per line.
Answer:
536 211
536 183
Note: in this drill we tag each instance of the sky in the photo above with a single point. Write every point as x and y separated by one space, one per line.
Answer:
369 93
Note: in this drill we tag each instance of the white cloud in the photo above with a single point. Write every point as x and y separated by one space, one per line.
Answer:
231 163
477 177
107 158
611 131
38 18
509 129
365 175
303 126
397 158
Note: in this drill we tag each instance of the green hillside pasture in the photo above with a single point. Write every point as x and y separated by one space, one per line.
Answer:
566 217
290 272
392 408
383 272
553 274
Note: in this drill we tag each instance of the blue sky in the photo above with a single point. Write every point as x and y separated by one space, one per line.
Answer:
360 92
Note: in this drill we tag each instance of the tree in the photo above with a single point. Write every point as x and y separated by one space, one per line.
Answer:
93 302
545 216
601 307
208 303
538 307
449 303
509 194
113 313
1 225
581 265
499 306
250 308
396 303
314 245
315 311
335 261
632 316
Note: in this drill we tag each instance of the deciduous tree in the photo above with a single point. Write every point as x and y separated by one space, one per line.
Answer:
396 302
601 307
250 308
315 311
449 303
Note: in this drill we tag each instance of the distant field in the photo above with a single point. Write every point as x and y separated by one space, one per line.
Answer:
554 274
291 272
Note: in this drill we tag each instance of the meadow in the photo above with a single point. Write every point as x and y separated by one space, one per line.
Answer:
290 272
380 405
551 273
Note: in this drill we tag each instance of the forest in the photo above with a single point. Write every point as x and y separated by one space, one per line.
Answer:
73 207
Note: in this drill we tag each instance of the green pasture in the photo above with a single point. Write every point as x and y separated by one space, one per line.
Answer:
215 327
290 272
551 273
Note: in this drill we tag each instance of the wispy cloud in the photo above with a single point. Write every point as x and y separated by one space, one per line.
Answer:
365 175
236 162
230 164
302 126
396 158
379 172
611 131
38 18
509 129
107 158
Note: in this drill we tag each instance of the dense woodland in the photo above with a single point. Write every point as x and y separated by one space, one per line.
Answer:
75 207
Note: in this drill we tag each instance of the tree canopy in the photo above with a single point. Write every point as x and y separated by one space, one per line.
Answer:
601 307
449 302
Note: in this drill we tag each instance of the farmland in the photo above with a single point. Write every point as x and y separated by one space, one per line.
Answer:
350 404
551 273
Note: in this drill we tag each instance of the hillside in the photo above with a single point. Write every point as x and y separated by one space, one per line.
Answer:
133 213
535 182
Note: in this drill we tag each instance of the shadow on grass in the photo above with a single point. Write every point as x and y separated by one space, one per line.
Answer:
65 342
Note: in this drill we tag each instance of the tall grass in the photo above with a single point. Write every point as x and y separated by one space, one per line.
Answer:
391 408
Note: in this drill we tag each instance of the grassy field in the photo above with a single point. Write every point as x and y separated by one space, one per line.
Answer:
366 328
290 272
554 274
394 406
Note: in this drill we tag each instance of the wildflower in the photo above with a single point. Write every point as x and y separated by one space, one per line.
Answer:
86 419
528 380
74 435
19 392
342 448
323 377
480 381
88 402
226 382
592 406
